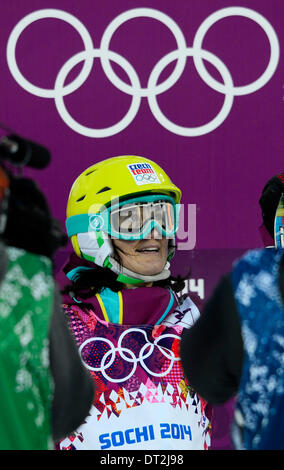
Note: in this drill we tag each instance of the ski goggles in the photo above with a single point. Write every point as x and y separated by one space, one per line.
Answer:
132 219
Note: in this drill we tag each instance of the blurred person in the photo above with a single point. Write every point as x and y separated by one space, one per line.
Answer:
241 331
41 374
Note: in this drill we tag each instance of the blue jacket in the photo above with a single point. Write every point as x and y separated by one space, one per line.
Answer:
260 402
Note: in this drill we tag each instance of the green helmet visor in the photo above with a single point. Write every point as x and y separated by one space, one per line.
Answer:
133 219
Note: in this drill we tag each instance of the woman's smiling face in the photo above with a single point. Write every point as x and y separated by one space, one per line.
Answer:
146 257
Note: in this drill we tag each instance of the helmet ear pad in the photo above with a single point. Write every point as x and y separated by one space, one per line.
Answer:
93 246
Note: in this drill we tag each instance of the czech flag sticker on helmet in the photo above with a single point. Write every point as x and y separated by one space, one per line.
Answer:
143 173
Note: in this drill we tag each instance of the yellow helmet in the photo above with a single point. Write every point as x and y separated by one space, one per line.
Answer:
117 177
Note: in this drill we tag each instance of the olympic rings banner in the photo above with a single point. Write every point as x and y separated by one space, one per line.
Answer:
196 86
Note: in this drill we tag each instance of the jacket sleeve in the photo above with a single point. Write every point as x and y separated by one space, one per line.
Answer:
73 385
212 350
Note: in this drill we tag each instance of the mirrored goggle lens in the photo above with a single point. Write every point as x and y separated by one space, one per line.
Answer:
134 219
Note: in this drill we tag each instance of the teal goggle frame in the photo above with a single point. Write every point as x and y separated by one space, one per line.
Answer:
101 221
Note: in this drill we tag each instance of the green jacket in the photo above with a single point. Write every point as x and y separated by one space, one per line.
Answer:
26 303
